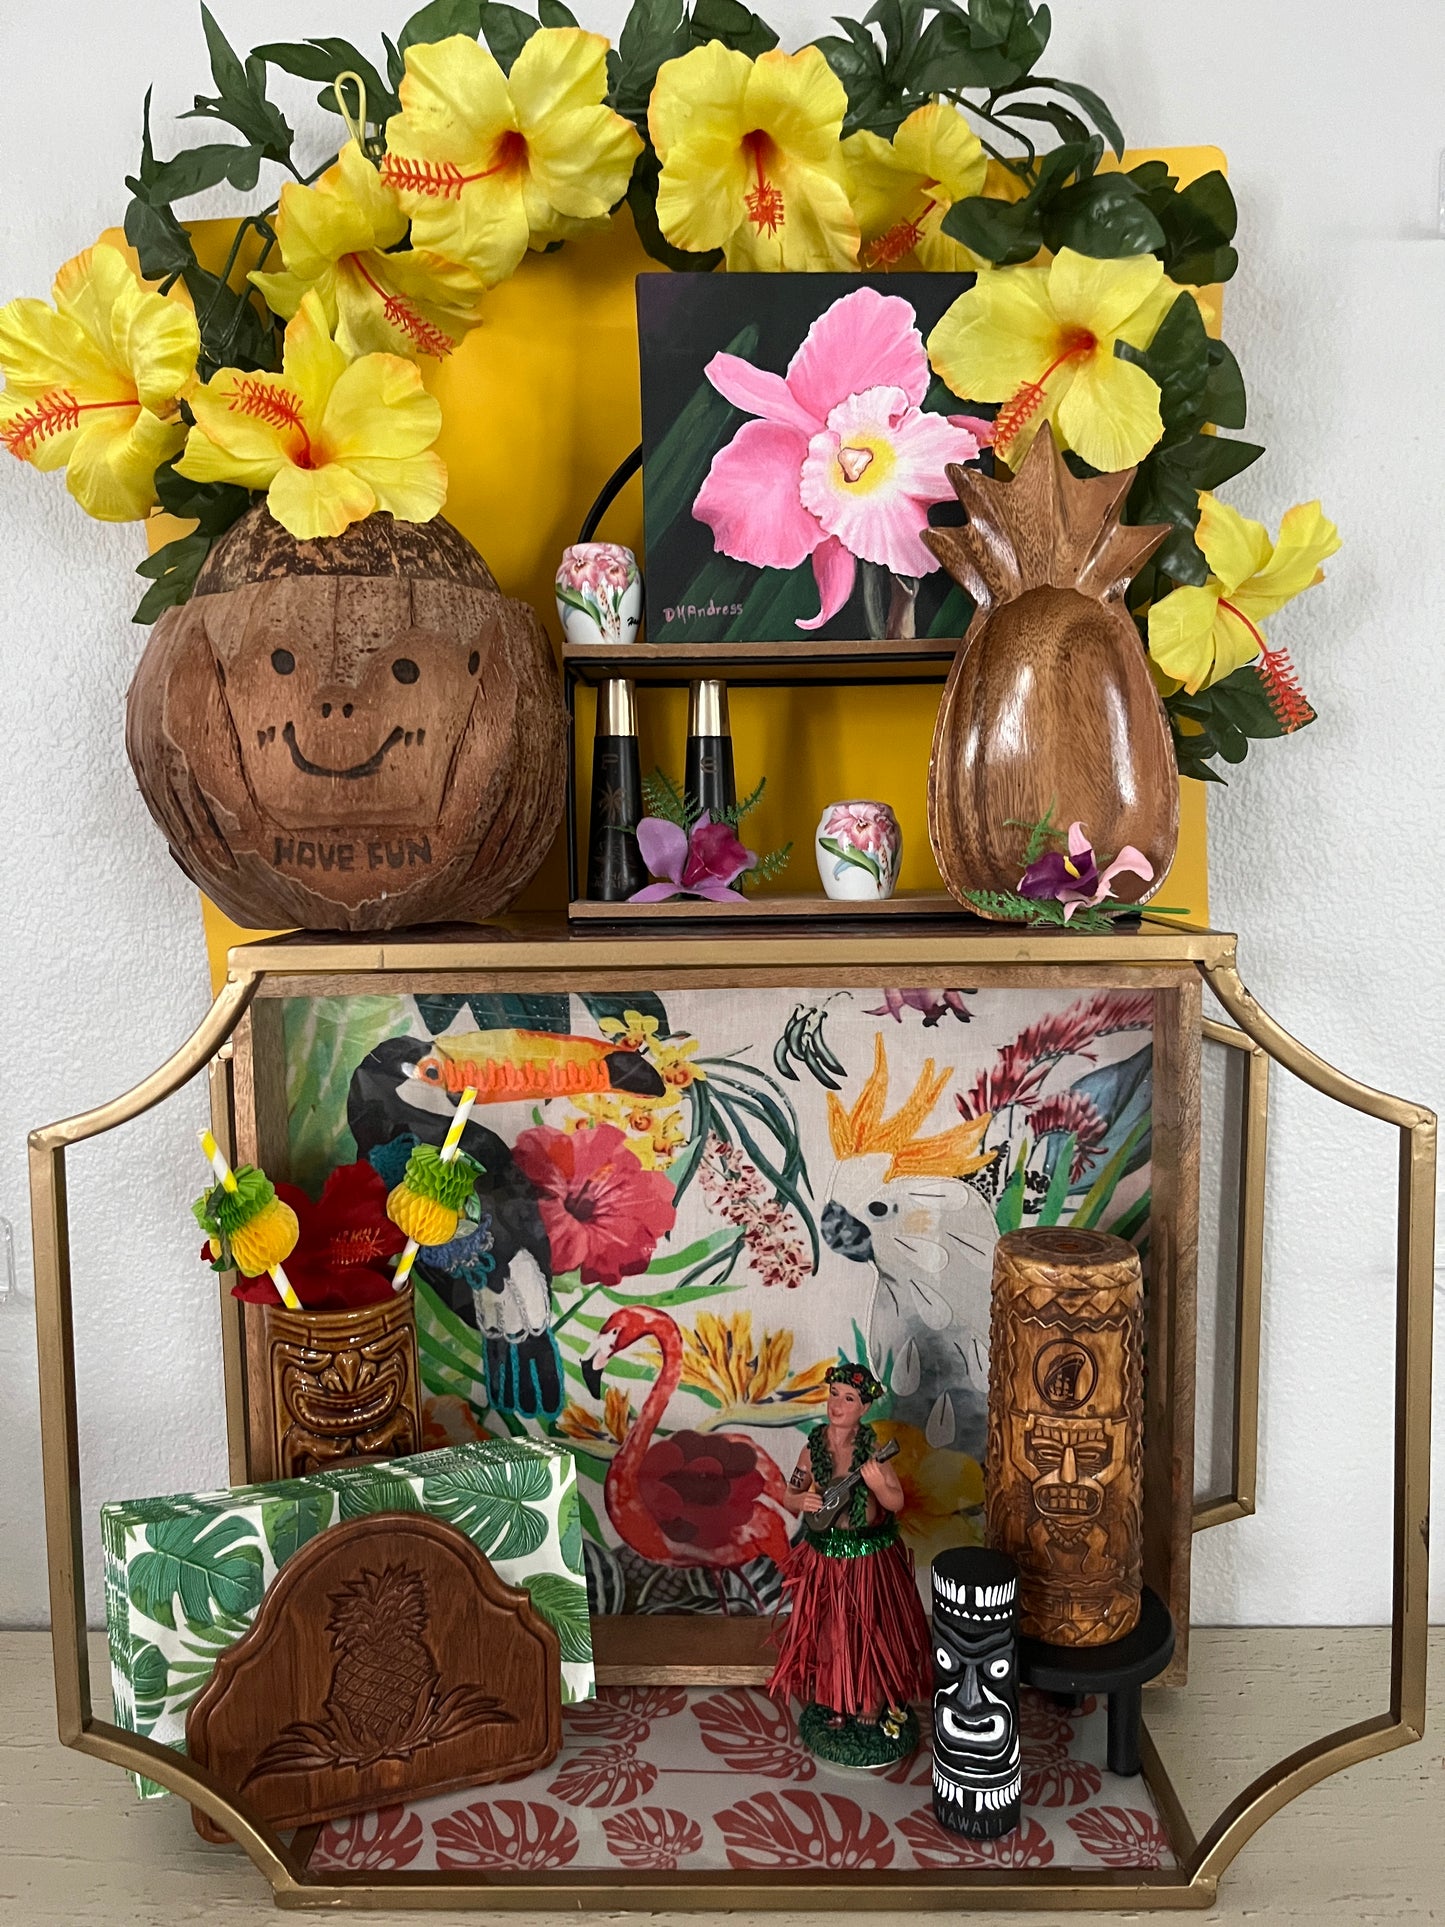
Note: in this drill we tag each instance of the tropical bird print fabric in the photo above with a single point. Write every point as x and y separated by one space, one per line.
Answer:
692 1203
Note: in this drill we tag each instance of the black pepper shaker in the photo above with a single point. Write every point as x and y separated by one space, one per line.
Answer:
708 769
615 869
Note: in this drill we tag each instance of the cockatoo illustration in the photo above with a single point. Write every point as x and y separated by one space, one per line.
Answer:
900 1202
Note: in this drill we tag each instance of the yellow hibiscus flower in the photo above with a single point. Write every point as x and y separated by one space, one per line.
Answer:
329 440
901 189
91 385
1041 341
488 164
751 158
1198 636
335 238
942 1492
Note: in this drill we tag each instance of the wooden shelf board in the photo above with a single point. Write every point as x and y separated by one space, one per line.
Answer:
924 659
936 905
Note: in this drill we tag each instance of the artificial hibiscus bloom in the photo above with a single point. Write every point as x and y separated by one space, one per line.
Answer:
329 440
603 1214
1198 636
488 164
843 463
345 1248
704 861
1076 878
901 189
751 161
335 238
91 385
1041 341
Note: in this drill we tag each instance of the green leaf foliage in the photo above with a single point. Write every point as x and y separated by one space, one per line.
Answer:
569 1526
379 1490
324 60
1222 721
173 569
654 31
495 1502
1103 215
150 1681
440 20
1198 222
506 31
562 1602
240 96
211 1565
1167 489
734 25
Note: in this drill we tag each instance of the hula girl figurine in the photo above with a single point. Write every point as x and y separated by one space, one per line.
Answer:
855 1647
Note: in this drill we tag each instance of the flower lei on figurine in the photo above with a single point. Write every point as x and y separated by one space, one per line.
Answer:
855 1646
480 135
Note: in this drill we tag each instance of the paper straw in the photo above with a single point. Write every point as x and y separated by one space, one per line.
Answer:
449 1150
223 1171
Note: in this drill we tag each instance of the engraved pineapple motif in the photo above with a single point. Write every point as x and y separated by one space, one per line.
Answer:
384 1686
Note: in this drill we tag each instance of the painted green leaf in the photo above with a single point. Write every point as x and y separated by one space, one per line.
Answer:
379 1492
562 1602
1104 1186
150 1677
569 1526
289 1523
495 1502
859 859
1052 1207
202 1560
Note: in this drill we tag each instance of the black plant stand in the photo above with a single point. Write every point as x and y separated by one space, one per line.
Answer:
1119 1669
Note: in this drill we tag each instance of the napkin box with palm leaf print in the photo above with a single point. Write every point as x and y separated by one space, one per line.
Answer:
185 1575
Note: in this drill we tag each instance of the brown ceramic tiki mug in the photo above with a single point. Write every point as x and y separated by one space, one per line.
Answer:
340 1385
1065 1430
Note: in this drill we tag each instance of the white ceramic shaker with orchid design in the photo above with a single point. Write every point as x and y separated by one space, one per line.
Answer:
859 848
599 593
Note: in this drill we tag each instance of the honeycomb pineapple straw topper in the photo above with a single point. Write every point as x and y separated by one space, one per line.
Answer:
268 1227
431 1209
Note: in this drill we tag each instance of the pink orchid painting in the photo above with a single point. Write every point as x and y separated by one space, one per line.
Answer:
841 462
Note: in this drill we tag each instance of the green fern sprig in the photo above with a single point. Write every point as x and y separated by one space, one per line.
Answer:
1041 834
766 868
735 815
1008 906
665 799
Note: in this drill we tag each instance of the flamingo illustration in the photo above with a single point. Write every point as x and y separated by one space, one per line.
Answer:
692 1498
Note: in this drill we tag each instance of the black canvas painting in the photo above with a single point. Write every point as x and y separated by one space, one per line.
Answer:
794 445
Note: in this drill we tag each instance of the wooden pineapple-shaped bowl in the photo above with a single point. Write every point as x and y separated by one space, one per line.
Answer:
1050 705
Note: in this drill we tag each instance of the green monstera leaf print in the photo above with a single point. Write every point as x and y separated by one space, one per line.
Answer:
562 1602
495 1501
204 1562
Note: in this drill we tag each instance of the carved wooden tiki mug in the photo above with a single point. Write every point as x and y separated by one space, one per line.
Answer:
977 1758
342 1384
1065 1430
350 734
1049 707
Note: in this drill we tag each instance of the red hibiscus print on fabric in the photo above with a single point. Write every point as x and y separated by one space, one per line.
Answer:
624 1712
656 1837
934 1846
603 1776
346 1242
1060 1783
1122 1837
804 1830
754 1736
603 1213
377 1842
521 1835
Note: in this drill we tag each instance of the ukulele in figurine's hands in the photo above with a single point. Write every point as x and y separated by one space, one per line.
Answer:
838 1493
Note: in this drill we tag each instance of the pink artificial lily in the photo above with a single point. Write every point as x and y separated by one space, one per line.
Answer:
703 862
843 462
1076 879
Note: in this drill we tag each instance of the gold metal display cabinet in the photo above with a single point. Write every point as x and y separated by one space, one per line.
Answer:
238 1046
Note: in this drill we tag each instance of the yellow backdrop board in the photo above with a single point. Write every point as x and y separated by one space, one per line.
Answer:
540 403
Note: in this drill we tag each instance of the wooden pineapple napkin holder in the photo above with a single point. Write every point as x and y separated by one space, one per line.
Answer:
387 1661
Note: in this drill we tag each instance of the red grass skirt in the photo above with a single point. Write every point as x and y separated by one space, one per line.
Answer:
856 1638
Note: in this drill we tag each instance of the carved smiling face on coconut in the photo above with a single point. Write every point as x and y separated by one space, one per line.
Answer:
354 720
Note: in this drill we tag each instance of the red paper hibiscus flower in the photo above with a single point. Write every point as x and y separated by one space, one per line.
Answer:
604 1214
342 1257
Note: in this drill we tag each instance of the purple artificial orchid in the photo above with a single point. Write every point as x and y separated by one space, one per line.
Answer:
1076 878
702 862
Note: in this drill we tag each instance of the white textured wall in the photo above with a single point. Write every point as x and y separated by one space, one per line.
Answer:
1324 850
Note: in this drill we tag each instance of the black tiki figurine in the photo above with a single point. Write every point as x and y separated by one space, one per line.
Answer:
708 772
977 1773
615 868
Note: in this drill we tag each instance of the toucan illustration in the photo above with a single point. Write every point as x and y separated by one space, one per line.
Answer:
505 1291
